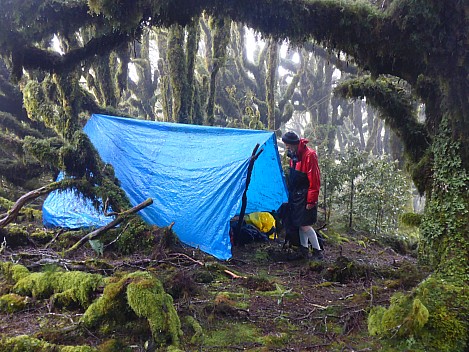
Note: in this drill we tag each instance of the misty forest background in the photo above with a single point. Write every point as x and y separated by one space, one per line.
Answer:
221 73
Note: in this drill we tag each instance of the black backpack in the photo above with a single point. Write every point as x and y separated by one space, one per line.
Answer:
248 234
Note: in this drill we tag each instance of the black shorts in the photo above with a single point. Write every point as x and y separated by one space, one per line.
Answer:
310 216
299 215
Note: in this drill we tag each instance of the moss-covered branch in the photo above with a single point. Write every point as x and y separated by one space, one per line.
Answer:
29 57
43 19
19 172
11 123
382 41
395 105
7 218
142 294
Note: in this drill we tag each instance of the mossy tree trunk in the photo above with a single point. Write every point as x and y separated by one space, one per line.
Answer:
16 168
142 94
192 45
220 28
181 58
178 74
69 100
271 80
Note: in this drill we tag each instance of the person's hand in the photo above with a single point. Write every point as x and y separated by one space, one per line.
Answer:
310 205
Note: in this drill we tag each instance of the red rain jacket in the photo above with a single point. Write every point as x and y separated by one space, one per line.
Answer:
308 164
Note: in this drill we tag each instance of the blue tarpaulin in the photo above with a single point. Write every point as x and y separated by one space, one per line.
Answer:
196 176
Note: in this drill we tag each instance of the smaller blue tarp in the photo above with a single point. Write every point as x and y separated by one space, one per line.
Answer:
70 209
196 176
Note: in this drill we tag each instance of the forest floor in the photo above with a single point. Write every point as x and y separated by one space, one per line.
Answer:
259 300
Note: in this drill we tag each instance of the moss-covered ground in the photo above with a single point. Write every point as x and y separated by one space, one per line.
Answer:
181 299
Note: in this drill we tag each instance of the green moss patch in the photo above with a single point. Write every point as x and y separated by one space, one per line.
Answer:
240 334
13 272
12 302
25 343
138 294
64 287
432 318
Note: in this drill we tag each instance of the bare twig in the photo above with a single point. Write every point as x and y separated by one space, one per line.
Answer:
320 228
304 316
3 245
186 257
370 293
117 238
105 212
55 238
66 316
170 226
318 306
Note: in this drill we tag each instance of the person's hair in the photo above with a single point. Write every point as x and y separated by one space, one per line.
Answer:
291 138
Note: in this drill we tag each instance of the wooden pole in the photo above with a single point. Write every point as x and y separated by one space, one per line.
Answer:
254 156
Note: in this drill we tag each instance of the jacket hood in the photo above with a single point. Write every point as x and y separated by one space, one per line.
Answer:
302 146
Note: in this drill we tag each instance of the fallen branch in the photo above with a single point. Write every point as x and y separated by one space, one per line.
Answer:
33 259
11 215
185 256
233 275
24 199
120 218
318 306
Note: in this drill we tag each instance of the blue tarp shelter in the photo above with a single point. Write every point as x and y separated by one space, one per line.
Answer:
196 176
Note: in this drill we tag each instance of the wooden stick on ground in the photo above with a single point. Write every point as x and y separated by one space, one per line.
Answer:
233 275
120 218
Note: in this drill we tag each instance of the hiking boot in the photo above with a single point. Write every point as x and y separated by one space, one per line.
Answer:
304 252
317 254
294 256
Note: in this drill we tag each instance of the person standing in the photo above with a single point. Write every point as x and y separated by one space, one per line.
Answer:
303 185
